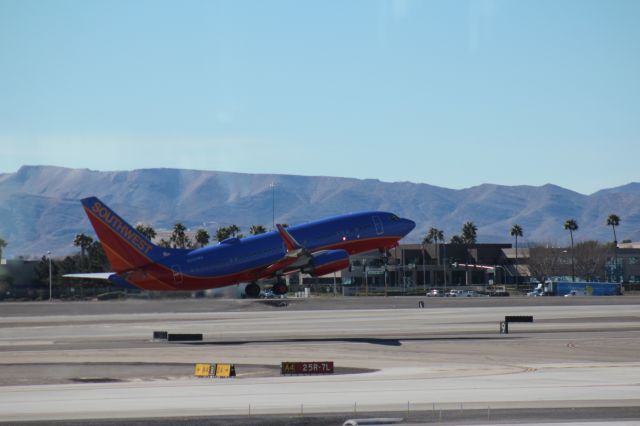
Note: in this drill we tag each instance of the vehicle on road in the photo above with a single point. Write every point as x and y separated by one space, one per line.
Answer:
497 291
577 288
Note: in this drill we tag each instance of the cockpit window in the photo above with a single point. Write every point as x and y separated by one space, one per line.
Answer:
394 218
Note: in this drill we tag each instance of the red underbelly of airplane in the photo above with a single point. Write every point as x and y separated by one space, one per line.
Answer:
363 246
166 280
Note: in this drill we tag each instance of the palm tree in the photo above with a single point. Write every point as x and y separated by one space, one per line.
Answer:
428 239
146 230
3 244
456 239
222 233
84 242
431 237
571 225
613 221
179 238
257 229
202 237
469 232
516 231
98 261
234 231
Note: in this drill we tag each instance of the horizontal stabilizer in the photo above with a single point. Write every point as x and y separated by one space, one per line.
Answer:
91 275
108 276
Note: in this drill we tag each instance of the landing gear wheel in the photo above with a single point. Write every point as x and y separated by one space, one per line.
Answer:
280 288
252 291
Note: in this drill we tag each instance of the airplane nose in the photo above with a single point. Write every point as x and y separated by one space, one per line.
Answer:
408 225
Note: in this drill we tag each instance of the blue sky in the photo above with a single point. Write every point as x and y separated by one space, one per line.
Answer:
450 93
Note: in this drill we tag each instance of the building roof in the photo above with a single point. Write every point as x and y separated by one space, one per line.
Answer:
510 253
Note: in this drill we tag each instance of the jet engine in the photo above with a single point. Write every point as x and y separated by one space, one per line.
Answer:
326 262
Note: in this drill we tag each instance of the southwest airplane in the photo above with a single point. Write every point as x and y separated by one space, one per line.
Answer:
316 248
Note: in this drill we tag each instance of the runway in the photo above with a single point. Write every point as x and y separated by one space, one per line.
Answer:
449 356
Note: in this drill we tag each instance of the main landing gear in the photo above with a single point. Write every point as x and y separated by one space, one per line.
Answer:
252 291
280 288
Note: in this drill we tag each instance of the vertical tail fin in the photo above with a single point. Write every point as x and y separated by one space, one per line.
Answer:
125 247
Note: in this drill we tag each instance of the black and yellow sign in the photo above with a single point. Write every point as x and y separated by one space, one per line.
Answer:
202 370
215 370
313 367
223 370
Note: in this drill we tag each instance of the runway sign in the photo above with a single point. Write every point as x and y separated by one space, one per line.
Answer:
160 335
215 370
306 368
183 337
225 370
518 318
202 370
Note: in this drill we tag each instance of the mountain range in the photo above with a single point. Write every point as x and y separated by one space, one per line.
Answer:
40 208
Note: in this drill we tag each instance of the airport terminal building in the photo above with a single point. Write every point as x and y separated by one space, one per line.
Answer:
415 268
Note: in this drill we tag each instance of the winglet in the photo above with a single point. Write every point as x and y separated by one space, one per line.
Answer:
288 239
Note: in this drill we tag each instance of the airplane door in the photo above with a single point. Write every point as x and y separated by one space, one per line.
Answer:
177 274
378 224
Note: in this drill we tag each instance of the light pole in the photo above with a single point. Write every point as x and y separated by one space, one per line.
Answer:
444 266
204 225
334 284
424 271
495 274
50 277
385 280
273 205
366 282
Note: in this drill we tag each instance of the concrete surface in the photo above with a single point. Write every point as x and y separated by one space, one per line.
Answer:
96 360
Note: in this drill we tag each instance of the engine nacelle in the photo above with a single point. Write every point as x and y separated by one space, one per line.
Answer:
327 262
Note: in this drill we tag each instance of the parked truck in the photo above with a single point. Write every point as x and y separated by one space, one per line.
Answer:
578 288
